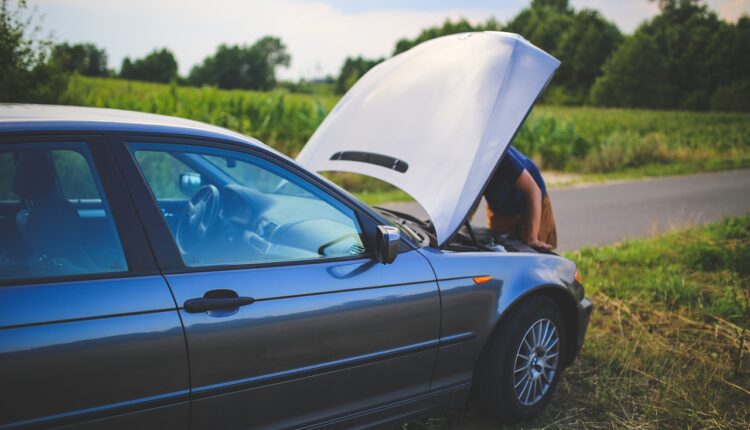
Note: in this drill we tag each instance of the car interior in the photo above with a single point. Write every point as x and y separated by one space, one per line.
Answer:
45 233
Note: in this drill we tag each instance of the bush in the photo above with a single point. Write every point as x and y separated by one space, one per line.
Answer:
553 141
622 150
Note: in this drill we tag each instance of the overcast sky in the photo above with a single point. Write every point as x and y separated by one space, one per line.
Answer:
319 34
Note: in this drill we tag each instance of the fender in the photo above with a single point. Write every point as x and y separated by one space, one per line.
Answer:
472 311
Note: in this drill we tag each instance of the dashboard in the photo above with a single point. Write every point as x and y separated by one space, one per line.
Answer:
257 227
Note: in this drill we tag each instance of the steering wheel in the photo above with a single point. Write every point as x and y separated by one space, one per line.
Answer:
199 217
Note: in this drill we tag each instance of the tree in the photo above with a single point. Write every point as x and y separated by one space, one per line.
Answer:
157 66
448 27
26 75
83 58
242 66
352 70
629 83
684 58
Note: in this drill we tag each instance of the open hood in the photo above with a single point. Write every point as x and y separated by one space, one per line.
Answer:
435 120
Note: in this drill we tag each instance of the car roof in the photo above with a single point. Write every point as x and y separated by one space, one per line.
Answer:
16 118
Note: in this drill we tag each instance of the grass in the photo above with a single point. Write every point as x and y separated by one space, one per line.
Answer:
668 345
594 144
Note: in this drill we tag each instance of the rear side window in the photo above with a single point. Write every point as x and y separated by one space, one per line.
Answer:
54 219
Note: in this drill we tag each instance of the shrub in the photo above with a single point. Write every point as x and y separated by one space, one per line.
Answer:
553 141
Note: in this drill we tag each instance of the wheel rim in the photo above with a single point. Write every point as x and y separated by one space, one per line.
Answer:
536 362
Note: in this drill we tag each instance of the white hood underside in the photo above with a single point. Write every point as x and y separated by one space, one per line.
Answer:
435 120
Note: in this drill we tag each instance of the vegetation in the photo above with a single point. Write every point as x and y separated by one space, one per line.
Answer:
26 74
352 70
685 58
278 118
646 142
83 58
669 340
248 67
158 66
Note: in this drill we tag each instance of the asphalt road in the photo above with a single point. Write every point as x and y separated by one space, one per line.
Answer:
602 214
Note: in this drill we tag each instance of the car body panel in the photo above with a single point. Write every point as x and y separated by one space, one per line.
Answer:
312 325
64 346
450 105
470 307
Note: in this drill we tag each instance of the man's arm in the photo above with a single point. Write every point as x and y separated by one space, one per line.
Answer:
526 184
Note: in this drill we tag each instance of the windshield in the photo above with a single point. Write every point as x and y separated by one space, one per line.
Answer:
253 176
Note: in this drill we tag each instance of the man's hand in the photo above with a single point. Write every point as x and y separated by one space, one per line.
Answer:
539 245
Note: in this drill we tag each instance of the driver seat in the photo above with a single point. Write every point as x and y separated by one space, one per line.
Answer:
49 225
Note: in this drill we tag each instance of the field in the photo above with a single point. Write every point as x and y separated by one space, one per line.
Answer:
590 143
668 345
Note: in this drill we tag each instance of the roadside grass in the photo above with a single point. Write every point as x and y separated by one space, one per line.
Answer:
669 343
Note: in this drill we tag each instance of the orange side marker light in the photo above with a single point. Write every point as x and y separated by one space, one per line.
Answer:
482 279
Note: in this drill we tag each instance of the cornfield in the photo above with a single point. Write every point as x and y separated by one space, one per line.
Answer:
572 139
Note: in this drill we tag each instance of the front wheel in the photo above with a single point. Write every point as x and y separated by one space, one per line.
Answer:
520 367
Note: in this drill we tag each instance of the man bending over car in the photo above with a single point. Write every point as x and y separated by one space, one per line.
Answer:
518 204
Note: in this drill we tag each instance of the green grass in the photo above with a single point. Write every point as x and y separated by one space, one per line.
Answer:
668 345
597 144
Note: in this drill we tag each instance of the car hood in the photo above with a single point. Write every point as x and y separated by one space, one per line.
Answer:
435 120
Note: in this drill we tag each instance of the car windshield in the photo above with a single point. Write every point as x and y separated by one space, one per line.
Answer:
262 180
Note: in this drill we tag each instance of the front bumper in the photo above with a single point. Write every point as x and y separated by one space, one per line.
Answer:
584 314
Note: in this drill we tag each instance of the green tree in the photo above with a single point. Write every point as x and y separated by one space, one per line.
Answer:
636 76
352 70
242 66
684 58
158 66
83 58
26 74
448 27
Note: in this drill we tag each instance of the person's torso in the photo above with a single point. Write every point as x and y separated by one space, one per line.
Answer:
502 195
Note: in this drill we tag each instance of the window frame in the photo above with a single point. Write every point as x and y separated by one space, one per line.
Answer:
133 241
168 255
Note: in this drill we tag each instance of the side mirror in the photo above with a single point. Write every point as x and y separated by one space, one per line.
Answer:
190 183
388 243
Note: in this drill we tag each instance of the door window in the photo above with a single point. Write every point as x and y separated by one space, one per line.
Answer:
54 220
240 209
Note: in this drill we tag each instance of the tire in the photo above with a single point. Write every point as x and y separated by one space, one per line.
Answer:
500 390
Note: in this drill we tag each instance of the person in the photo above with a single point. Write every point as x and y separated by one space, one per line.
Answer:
518 204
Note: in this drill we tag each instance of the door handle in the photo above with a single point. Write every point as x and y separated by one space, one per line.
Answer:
216 300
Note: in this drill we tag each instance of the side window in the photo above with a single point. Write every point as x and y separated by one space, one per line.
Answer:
54 220
241 209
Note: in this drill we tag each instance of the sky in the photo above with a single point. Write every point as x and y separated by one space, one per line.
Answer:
319 34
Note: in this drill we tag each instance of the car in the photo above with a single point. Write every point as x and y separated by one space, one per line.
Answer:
157 272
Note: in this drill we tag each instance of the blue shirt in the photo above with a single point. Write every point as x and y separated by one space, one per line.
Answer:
501 193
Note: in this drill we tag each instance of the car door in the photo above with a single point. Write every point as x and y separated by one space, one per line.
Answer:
313 327
89 333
